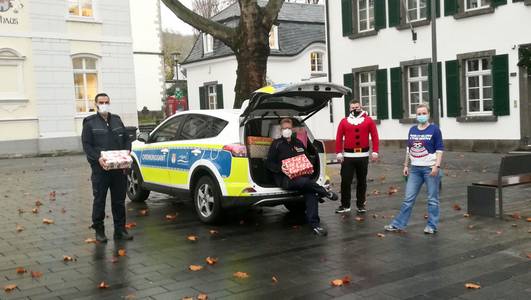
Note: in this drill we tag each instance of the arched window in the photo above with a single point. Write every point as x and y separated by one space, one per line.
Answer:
12 75
316 62
85 82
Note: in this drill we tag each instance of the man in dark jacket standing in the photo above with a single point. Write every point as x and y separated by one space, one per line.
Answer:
104 131
286 147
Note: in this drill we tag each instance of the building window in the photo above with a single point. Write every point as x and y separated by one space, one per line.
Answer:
417 10
476 4
367 92
85 83
212 97
365 15
208 43
12 75
80 8
273 37
316 62
417 85
478 79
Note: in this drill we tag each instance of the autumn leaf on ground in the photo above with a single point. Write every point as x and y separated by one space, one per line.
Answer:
195 268
375 193
392 190
63 210
20 228
103 285
471 285
516 216
143 212
130 225
457 207
466 215
21 270
274 279
528 219
211 260
35 210
121 252
514 225
374 216
171 217
48 221
359 219
36 274
68 258
241 275
471 226
336 282
213 232
529 255
382 178
20 211
10 287
91 241
381 235
52 195
187 298
346 279
38 203
193 238
202 296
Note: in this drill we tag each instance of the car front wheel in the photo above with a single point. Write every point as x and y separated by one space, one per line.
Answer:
135 192
207 199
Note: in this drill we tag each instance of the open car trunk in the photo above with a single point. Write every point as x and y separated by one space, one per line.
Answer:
259 133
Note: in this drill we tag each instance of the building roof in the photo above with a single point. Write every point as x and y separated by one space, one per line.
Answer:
300 25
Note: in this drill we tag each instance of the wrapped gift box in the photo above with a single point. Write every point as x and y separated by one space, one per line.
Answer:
117 159
297 166
259 146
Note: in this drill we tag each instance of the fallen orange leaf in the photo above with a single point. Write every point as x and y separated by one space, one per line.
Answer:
20 228
213 232
516 215
21 270
274 279
241 275
346 279
193 238
202 296
336 282
472 286
359 219
130 225
91 241
121 252
375 192
21 211
35 274
10 287
211 260
68 258
392 190
382 178
38 203
529 255
35 210
457 207
528 219
143 212
171 217
103 285
195 268
381 235
47 221
466 215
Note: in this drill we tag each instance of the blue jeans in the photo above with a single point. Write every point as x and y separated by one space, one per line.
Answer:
418 176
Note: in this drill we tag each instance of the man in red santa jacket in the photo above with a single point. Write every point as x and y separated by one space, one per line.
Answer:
352 149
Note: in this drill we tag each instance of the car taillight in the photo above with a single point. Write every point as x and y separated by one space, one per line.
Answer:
237 150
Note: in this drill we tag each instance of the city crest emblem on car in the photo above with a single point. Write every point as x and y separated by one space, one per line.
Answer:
173 158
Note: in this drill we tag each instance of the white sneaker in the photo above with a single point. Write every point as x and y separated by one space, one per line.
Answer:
391 228
429 230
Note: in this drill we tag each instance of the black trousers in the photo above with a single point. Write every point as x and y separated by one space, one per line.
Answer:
350 166
116 181
312 192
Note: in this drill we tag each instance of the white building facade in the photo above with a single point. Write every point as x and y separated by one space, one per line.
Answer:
485 99
55 56
298 53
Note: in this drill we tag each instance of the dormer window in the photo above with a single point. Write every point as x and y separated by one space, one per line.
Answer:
208 43
273 37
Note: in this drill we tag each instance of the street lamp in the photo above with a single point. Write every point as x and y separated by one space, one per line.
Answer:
175 59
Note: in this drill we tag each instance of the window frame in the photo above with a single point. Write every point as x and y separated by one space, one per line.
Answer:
214 94
208 40
81 17
480 75
370 84
466 9
205 118
367 15
84 72
408 118
356 90
462 12
170 122
274 33
420 80
319 55
418 10
11 58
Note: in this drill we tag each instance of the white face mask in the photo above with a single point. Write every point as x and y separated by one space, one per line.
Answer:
104 108
286 132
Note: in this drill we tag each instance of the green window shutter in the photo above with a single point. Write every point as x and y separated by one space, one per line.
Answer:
439 69
496 3
346 13
348 81
453 92
397 110
394 12
202 98
379 14
219 95
437 8
451 7
382 112
500 84
439 84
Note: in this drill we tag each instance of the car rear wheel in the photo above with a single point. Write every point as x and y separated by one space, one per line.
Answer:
296 207
207 199
135 192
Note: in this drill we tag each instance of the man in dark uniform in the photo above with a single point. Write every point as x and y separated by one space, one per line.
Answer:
104 131
286 147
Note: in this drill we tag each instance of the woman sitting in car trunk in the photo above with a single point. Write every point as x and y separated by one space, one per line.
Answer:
289 146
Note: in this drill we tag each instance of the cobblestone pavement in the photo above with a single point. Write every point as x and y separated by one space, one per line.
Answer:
264 243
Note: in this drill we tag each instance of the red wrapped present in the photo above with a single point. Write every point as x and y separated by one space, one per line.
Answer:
297 166
117 159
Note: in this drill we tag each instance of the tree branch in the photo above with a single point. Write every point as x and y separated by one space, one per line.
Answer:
217 30
271 12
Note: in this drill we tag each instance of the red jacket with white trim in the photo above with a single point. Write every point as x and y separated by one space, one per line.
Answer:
350 136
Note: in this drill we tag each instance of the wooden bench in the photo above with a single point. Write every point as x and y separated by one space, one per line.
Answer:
514 170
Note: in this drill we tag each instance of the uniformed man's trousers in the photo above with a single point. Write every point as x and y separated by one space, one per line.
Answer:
116 181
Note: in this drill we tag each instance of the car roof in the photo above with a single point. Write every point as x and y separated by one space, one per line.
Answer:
219 113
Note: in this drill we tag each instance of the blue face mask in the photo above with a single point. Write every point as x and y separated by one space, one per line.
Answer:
422 119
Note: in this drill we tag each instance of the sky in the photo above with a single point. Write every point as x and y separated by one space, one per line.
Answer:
170 22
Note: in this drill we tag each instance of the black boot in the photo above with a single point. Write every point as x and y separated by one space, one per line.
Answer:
100 233
122 234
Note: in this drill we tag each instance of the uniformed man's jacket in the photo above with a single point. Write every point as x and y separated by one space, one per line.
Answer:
282 149
100 135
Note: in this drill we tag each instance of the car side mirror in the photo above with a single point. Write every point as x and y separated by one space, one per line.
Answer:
143 137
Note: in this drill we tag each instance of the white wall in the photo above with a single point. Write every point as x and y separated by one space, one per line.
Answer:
279 70
499 31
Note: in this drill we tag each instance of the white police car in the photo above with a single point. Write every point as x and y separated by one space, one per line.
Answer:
217 156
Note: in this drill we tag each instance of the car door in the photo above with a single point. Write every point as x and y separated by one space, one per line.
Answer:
156 153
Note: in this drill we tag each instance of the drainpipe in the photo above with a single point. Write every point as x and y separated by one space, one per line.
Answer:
328 56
